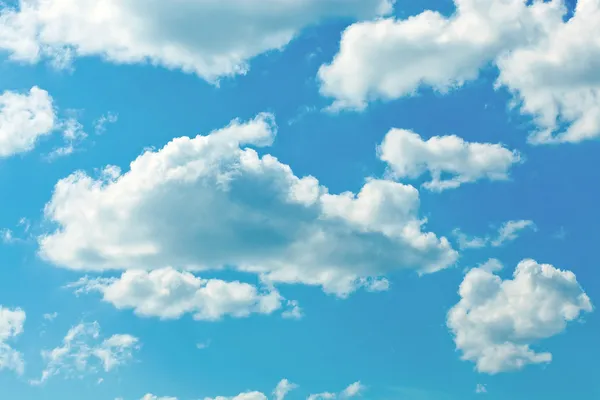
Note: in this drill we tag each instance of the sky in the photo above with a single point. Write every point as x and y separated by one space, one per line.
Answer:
299 199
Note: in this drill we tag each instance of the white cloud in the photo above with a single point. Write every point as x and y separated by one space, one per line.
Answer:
427 50
209 202
100 123
153 397
497 321
508 232
73 134
294 310
50 316
11 326
556 77
82 352
548 64
241 396
211 38
353 390
24 119
283 388
480 388
168 294
409 156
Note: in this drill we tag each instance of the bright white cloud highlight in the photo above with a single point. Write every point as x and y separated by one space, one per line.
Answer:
168 294
212 38
283 388
83 352
508 232
556 78
210 201
24 119
409 156
11 326
496 322
548 64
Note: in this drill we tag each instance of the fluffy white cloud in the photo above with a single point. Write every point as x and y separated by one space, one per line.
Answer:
168 294
548 64
24 118
556 78
211 38
496 321
209 202
11 326
283 388
409 156
428 49
507 232
82 352
353 390
153 397
241 396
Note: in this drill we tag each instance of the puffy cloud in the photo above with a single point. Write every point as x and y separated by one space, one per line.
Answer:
428 49
82 352
556 78
283 388
496 321
241 396
549 64
168 294
153 397
353 390
24 119
507 232
409 156
211 38
209 202
11 326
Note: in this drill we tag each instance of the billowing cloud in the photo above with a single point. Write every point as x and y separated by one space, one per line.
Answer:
211 38
168 294
83 352
11 326
556 77
409 156
496 321
283 388
508 232
24 119
210 202
549 64
427 50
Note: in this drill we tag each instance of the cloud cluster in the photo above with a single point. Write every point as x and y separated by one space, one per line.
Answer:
11 326
168 294
83 352
409 156
496 322
212 38
211 202
24 119
508 232
549 64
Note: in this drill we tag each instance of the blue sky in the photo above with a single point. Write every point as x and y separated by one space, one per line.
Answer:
304 234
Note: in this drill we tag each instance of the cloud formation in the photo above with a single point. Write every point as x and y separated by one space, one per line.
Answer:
549 64
409 156
212 39
11 326
508 232
82 352
211 202
496 321
168 294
